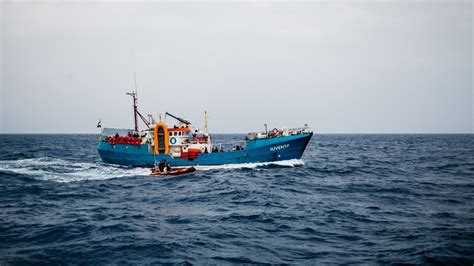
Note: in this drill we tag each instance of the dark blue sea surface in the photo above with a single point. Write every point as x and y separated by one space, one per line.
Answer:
351 199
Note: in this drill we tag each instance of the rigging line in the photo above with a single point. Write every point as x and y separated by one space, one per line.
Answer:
143 119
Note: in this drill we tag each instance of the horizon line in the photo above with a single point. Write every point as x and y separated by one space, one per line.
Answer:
236 133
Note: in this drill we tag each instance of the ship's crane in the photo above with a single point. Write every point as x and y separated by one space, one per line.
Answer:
186 122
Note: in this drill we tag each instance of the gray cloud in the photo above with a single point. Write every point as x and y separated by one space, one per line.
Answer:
350 67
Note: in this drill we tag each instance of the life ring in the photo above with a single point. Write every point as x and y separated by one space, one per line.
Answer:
173 141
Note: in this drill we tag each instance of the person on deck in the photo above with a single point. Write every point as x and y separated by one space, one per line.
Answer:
162 165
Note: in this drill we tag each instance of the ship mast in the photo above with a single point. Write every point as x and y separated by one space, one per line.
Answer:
135 109
134 95
136 113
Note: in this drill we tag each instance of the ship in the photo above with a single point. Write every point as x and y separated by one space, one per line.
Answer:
183 144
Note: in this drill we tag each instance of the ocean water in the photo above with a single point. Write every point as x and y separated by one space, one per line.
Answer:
350 199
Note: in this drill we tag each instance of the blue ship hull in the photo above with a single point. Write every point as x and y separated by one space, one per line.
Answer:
259 150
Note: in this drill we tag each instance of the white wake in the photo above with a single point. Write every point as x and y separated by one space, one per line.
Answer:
59 170
287 163
54 169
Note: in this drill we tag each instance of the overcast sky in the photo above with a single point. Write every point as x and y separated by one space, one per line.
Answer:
341 67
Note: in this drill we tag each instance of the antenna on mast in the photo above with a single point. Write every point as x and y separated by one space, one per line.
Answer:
205 122
136 87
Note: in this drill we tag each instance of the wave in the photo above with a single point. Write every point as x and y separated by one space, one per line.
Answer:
285 163
58 170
